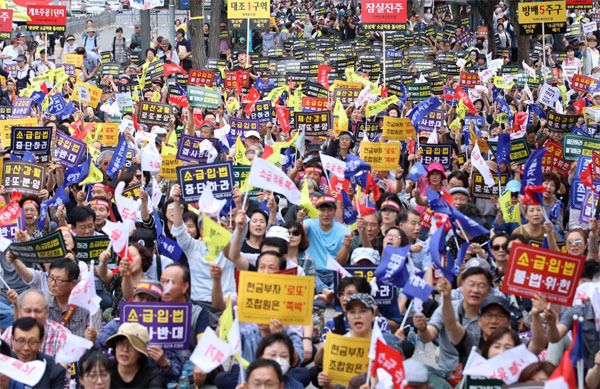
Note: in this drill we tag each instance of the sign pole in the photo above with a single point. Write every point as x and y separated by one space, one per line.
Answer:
544 50
248 42
384 58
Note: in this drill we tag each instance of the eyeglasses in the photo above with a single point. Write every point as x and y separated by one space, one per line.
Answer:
295 232
104 376
52 279
30 342
490 316
124 344
575 241
497 247
392 236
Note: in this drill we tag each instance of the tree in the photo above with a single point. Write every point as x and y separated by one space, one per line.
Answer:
216 9
195 26
486 10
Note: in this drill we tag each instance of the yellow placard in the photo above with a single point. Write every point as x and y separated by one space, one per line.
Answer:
381 156
336 125
398 128
375 108
252 9
499 83
109 136
345 357
542 11
168 169
74 59
95 93
287 298
347 84
7 125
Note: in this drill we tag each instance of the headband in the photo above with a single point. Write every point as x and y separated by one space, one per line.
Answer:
100 202
31 202
313 169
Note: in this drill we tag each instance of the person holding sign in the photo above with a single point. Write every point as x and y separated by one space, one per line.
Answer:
263 373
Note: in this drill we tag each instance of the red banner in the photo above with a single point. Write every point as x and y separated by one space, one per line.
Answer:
390 360
314 103
383 11
323 76
468 80
482 32
201 77
46 17
533 270
462 95
6 18
251 98
580 4
283 117
553 159
582 83
12 211
171 68
595 166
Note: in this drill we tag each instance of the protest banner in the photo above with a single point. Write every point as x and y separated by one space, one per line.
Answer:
549 95
418 91
576 145
200 97
478 121
440 153
481 191
533 270
553 159
168 324
381 156
189 148
468 80
559 122
6 128
372 131
487 383
154 114
398 129
345 357
346 95
45 249
551 13
262 297
34 139
9 231
89 248
95 93
314 103
263 112
385 15
588 206
232 77
519 149
50 18
240 174
108 133
132 192
24 177
581 83
256 12
193 179
6 20
5 110
198 77
240 126
168 169
21 108
578 190
313 123
432 121
385 296
22 373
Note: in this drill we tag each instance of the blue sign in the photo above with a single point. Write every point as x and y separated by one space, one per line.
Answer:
194 178
582 164
578 192
387 294
478 121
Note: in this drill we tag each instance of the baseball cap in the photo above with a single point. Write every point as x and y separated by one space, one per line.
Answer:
20 58
436 166
252 133
180 31
150 287
278 232
459 189
477 262
495 300
513 186
365 299
391 205
70 37
144 237
136 333
325 200
159 131
361 253
313 147
416 373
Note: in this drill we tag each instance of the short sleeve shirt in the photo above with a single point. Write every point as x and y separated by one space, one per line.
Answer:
324 243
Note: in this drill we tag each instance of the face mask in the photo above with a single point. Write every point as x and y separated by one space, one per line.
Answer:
284 364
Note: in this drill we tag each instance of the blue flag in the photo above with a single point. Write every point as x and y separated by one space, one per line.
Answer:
392 268
532 172
416 287
76 174
594 88
422 109
263 207
403 97
505 108
350 213
37 97
228 207
59 198
416 171
260 85
157 223
554 213
503 152
436 245
181 90
540 113
118 158
354 165
166 246
440 205
460 257
28 157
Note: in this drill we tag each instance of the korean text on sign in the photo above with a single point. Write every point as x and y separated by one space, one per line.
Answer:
33 139
153 114
532 270
24 177
383 14
398 128
381 156
385 296
431 153
168 324
189 148
314 124
263 297
538 12
194 178
345 357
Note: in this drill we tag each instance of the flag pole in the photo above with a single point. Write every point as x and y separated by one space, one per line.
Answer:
91 275
406 314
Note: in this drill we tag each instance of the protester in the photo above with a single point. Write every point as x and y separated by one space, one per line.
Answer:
94 366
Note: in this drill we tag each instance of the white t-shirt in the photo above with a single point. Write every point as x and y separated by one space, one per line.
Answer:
13 52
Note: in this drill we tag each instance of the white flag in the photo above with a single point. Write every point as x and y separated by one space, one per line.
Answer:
433 137
486 74
142 138
207 149
84 293
210 351
118 234
156 193
234 337
490 368
529 70
299 143
556 383
151 158
332 264
265 175
127 207
479 163
496 63
126 126
334 165
375 334
208 204
74 347
28 373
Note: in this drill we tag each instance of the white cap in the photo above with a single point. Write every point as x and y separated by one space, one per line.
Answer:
361 253
278 232
248 134
159 130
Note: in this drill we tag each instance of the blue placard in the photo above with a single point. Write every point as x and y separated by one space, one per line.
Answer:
262 111
193 179
34 139
241 126
441 153
479 121
188 148
387 294
582 164
578 192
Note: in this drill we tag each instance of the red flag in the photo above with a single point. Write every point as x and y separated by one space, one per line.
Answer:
384 92
372 186
251 98
520 120
529 197
198 117
44 87
239 75
448 96
411 146
291 84
182 101
283 117
595 165
580 105
267 153
336 186
171 68
136 125
390 360
323 75
11 211
565 371
460 94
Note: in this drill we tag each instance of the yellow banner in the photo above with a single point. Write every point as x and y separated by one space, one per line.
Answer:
168 169
345 357
287 298
375 108
252 9
109 136
6 128
215 237
499 83
398 128
74 59
542 11
337 127
95 93
347 84
381 156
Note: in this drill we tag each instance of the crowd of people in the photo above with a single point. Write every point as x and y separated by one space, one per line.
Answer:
365 235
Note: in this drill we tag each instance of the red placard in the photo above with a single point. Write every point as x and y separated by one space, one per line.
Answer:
231 79
482 32
383 11
198 77
553 159
314 103
6 18
581 83
533 270
46 17
580 4
468 80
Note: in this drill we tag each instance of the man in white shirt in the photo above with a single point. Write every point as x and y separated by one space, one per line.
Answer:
42 64
10 53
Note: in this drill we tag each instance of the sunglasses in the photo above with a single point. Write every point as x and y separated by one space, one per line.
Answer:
576 241
497 247
295 232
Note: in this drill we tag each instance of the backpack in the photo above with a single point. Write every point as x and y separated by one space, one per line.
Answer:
95 41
